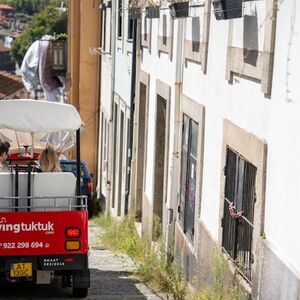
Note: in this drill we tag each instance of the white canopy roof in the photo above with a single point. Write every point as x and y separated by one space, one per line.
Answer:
38 123
38 116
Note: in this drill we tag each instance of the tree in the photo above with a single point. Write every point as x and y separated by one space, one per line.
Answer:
31 7
49 21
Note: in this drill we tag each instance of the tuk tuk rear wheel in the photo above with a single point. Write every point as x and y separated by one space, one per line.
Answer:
80 292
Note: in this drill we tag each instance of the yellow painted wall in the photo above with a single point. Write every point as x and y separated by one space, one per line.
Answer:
84 34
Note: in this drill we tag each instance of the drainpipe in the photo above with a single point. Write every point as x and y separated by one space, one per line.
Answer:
112 88
136 35
175 151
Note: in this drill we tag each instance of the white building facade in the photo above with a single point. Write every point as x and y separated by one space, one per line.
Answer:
216 150
215 135
115 102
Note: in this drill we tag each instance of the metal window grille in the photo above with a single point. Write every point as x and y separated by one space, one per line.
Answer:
239 211
188 176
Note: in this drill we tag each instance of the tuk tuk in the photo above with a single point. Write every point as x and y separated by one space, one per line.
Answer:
43 217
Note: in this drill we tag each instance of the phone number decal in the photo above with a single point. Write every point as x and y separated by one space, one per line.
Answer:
24 245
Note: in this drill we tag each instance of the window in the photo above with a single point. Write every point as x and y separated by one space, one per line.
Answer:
188 175
130 28
120 19
238 215
104 142
146 32
103 29
145 25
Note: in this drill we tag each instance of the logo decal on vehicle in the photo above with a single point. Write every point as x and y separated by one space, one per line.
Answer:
48 227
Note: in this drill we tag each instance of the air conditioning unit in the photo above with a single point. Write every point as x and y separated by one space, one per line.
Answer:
227 9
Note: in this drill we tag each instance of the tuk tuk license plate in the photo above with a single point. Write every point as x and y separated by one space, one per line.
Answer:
21 270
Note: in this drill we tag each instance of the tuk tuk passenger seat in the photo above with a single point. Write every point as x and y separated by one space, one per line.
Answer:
54 185
6 191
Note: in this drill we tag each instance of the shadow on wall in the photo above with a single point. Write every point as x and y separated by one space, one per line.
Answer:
164 30
196 34
250 39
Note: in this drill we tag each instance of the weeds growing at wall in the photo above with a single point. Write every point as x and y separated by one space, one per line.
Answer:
154 265
223 285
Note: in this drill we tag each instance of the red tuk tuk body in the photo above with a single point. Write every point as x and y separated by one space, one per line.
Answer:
43 218
43 233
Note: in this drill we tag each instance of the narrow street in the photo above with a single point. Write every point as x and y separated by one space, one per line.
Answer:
111 279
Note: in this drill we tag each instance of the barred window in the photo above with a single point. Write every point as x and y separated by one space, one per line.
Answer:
239 211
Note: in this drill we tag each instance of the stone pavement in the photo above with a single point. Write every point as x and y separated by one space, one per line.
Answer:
111 274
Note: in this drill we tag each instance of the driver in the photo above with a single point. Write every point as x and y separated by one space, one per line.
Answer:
4 148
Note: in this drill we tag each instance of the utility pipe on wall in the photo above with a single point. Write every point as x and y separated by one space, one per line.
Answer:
178 85
175 149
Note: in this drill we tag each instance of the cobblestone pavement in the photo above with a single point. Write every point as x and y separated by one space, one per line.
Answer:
111 279
111 274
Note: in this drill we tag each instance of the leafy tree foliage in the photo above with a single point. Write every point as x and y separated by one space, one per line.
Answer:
49 21
31 7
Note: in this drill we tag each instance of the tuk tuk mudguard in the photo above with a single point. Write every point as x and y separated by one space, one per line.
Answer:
81 278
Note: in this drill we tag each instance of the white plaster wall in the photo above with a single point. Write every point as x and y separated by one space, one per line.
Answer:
105 98
274 120
283 176
123 61
123 72
159 66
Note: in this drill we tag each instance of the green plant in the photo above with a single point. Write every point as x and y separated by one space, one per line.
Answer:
223 285
154 266
62 36
156 227
47 22
97 207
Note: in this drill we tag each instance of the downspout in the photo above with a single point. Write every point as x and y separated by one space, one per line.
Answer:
175 149
136 36
112 88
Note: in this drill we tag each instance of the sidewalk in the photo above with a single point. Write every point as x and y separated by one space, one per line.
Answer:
111 274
